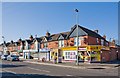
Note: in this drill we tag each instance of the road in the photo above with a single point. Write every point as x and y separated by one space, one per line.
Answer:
27 69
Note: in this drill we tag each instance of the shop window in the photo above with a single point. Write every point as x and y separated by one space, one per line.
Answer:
70 55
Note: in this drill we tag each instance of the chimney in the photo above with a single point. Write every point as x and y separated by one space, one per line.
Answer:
104 36
31 37
96 31
20 40
12 41
113 41
47 34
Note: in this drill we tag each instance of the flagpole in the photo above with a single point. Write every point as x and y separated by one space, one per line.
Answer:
77 61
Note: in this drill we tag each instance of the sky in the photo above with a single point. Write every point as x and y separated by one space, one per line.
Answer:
22 19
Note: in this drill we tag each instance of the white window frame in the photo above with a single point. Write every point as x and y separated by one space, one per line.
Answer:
102 42
61 43
45 45
68 56
97 40
79 41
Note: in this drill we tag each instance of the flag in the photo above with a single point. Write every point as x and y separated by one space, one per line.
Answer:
2 36
76 10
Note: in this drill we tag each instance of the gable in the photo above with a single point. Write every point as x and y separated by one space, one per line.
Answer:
60 37
44 39
80 32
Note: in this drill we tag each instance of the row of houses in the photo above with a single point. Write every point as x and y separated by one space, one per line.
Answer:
92 47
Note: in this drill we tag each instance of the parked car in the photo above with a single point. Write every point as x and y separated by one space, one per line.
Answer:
13 58
4 57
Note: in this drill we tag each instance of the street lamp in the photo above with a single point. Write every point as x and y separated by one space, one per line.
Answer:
76 10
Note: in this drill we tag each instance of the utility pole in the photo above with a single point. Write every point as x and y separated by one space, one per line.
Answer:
76 10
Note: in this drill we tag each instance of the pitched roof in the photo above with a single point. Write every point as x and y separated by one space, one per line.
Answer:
38 39
89 32
29 41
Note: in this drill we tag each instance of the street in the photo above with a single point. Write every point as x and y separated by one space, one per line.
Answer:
28 69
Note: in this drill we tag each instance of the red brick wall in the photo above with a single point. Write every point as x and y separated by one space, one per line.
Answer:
1 48
105 56
91 40
84 42
53 44
113 54
32 46
119 53
42 46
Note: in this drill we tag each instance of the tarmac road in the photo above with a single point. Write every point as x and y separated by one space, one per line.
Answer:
24 69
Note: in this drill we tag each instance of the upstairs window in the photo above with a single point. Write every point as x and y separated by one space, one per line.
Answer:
45 45
97 40
75 41
102 42
61 43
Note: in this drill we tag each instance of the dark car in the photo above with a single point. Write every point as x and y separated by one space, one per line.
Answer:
4 57
13 58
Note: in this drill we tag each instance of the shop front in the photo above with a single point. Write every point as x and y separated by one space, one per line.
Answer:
28 54
85 53
69 53
56 55
44 54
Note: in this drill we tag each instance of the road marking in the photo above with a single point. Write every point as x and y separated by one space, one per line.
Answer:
8 71
38 69
69 75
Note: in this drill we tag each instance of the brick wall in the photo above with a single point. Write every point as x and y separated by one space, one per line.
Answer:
53 44
113 54
105 56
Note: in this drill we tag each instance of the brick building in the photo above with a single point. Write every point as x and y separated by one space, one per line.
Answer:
92 47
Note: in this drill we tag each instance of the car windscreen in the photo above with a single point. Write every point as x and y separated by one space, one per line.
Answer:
5 55
14 56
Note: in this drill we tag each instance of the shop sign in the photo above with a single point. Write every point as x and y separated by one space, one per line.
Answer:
69 48
82 49
105 48
93 48
44 50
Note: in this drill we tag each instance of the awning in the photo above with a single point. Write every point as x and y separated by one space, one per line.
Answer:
30 50
20 51
44 50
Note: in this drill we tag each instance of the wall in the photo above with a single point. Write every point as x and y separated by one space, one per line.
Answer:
113 54
105 56
53 44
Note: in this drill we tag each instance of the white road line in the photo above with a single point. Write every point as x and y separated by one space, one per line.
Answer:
8 71
38 69
69 75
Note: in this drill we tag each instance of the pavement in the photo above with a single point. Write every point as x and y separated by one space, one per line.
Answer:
73 64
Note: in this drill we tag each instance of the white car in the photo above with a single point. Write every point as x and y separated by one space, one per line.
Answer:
4 57
13 58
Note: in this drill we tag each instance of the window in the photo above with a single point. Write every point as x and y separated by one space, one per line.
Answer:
70 55
28 46
102 42
79 41
45 45
61 43
97 40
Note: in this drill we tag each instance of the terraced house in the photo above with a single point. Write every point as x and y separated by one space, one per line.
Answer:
92 47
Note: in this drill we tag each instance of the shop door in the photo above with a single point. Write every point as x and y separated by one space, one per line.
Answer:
81 56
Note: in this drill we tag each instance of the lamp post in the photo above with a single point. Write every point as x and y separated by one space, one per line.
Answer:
76 10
